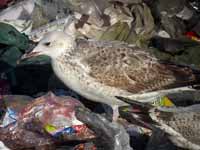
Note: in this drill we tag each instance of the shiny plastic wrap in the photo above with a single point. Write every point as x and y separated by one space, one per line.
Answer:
43 123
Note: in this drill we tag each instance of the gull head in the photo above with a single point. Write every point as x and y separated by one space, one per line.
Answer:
53 44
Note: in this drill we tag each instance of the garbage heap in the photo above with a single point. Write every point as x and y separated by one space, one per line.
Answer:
31 117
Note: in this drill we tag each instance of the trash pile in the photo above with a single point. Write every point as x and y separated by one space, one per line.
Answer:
50 122
37 109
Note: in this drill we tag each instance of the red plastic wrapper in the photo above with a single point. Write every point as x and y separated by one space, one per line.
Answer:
45 121
4 3
57 116
193 36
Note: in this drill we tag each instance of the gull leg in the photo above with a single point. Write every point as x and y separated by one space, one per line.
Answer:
115 113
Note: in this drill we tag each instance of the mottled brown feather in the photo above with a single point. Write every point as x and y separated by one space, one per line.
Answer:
130 68
184 122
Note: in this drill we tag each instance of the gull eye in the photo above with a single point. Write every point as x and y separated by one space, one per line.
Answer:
47 43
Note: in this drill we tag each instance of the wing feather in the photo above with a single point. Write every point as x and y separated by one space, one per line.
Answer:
130 68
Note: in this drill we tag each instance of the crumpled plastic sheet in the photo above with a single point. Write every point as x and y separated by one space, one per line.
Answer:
42 123
169 8
133 24
174 26
30 14
99 22
4 3
19 15
185 14
12 44
56 115
36 120
110 135
24 136
195 4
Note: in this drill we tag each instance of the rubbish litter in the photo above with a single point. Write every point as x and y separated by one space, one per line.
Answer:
144 31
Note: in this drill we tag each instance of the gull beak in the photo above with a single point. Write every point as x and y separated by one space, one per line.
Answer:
30 55
27 56
32 52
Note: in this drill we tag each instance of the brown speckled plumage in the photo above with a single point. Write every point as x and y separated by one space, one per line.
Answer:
182 124
130 68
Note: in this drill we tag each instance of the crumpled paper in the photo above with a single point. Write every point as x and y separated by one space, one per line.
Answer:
134 25
109 20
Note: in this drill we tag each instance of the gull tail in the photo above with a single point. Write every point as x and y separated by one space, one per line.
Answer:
137 113
184 75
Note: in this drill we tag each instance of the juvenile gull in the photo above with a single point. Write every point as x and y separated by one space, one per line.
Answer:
100 70
180 123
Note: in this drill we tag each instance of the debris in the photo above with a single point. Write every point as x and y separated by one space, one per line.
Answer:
9 118
4 3
185 14
174 26
193 36
172 46
110 135
168 31
41 120
57 116
195 4
21 10
13 44
18 136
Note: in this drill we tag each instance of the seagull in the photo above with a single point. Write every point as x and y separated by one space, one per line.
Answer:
180 123
101 70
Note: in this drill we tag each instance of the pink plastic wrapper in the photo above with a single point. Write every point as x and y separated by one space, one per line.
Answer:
44 123
4 3
57 117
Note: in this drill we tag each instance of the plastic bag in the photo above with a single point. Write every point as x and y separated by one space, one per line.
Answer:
12 46
195 4
109 135
4 3
22 136
57 117
42 123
